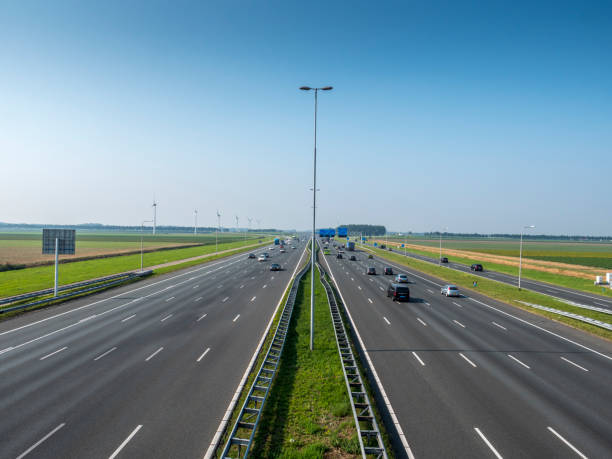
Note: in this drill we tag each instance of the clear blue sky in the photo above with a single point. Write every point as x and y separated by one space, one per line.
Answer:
476 116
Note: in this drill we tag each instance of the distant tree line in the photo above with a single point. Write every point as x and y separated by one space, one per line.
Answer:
436 234
366 230
101 227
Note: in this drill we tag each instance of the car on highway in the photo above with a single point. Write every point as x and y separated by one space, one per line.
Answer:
398 292
450 290
370 257
390 249
339 256
262 257
371 270
293 247
443 260
326 252
352 258
476 267
282 250
275 267
271 248
388 271
383 246
251 255
401 279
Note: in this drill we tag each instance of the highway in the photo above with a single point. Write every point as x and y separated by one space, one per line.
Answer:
145 370
576 296
473 377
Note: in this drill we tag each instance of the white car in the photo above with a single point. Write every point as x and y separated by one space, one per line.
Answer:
262 258
401 279
282 250
450 290
293 247
271 248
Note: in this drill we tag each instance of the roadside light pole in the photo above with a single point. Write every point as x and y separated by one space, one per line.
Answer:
141 245
314 209
440 260
521 253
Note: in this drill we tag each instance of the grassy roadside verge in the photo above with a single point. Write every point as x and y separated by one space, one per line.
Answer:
41 277
308 412
502 292
561 280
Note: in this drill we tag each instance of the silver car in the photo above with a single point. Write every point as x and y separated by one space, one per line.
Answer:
450 290
401 279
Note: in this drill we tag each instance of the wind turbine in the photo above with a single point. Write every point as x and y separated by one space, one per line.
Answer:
195 221
154 214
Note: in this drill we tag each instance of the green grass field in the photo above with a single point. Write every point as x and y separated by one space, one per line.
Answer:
308 412
595 254
41 277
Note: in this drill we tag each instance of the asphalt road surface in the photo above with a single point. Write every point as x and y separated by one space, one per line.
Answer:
146 370
473 377
576 296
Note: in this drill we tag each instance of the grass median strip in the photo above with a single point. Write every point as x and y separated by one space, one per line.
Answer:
308 412
502 292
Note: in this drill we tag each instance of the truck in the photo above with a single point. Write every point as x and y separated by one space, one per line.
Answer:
276 241
350 246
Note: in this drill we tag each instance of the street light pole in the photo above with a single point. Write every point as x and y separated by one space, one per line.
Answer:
440 259
314 209
141 245
521 253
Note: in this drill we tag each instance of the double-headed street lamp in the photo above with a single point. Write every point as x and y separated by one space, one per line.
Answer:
314 208
521 253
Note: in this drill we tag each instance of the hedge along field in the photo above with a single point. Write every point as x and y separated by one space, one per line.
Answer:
26 248
41 277
593 254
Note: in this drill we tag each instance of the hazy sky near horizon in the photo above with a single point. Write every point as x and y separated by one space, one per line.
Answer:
471 116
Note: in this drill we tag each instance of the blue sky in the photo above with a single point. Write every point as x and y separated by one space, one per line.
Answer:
476 116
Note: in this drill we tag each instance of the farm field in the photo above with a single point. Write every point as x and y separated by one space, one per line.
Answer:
25 248
40 277
583 254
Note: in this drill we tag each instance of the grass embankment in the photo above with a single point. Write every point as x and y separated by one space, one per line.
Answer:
308 412
576 283
41 277
503 292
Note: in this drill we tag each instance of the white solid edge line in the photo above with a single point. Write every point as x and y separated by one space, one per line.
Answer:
154 354
105 354
418 358
226 417
387 320
125 442
53 353
207 266
203 354
31 448
488 443
236 318
468 360
566 442
517 360
201 317
542 329
575 364
394 419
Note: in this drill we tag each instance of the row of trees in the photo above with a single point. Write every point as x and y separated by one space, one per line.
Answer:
436 234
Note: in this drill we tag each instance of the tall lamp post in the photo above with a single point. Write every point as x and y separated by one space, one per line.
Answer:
314 208
521 253
141 245
440 260
217 232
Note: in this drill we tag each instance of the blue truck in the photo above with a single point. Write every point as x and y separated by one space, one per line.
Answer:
350 246
276 241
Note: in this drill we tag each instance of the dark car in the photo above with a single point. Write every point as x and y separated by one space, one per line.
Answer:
251 255
352 258
339 255
398 292
275 267
443 260
390 249
383 246
476 267
388 270
370 256
371 270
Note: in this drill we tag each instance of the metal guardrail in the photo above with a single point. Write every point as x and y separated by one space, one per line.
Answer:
584 319
246 424
97 285
25 296
370 439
